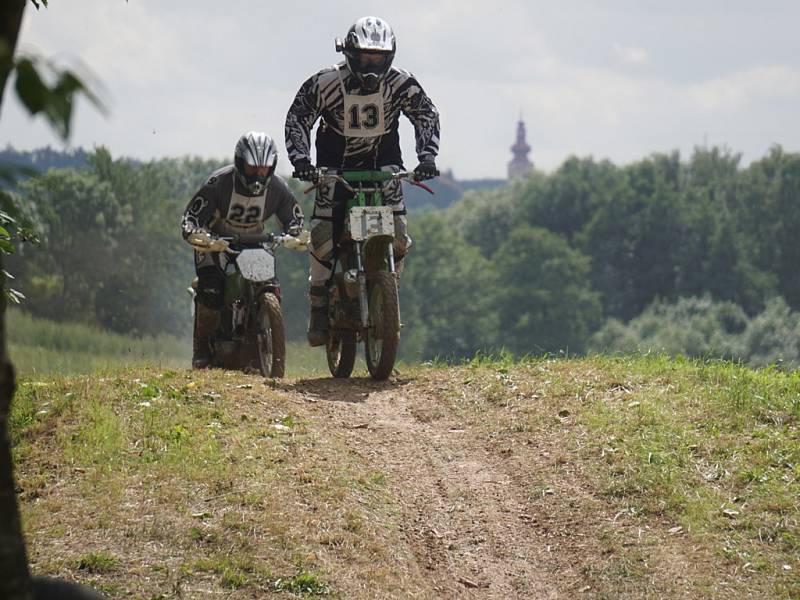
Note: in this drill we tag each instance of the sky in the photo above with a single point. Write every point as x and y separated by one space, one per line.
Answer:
614 79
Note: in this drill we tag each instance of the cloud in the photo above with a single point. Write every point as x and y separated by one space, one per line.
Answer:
201 77
630 55
745 89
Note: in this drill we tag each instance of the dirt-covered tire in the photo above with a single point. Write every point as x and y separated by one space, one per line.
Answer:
383 335
270 337
341 353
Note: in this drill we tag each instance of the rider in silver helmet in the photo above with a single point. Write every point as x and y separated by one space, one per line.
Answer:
237 198
358 103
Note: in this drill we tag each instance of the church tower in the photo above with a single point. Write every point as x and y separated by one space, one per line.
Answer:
520 166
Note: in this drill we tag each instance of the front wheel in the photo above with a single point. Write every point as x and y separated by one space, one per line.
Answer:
270 337
383 334
341 351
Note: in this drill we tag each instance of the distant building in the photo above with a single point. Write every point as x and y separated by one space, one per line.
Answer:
520 166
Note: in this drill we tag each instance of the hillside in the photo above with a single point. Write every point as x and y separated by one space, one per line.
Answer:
597 478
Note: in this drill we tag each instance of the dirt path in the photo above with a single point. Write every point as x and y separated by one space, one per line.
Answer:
464 518
447 483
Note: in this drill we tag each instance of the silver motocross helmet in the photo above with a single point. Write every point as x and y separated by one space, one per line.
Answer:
369 49
254 161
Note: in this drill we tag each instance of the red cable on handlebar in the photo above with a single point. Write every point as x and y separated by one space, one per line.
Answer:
421 185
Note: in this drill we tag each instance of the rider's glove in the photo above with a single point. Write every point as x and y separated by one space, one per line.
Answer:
202 241
218 245
304 170
299 242
294 230
426 169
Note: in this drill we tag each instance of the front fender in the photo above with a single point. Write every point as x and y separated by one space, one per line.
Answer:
374 253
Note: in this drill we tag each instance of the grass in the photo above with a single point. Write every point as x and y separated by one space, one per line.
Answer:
662 477
187 475
710 448
40 347
98 562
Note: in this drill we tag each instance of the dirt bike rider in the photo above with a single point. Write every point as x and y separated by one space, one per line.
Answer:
235 199
359 102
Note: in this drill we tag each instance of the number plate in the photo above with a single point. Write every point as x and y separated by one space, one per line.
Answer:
369 221
256 265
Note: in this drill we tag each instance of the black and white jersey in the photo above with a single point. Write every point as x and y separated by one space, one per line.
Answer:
221 208
359 130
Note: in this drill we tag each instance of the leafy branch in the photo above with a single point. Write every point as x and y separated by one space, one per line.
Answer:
54 101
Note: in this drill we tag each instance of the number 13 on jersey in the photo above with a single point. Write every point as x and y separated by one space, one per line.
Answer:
363 116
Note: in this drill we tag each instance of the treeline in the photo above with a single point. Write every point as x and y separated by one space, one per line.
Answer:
109 253
539 265
559 262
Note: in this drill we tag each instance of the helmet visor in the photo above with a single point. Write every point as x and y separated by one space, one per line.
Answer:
256 176
260 171
371 62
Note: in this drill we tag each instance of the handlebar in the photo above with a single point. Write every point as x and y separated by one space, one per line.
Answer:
203 242
345 178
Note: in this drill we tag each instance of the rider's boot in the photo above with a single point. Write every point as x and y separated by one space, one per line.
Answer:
206 321
318 328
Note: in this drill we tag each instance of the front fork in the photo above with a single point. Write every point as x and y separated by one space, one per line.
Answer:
362 288
362 281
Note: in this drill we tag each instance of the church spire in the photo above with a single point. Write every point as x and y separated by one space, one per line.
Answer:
520 166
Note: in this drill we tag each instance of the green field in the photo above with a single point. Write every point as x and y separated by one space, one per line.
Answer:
38 346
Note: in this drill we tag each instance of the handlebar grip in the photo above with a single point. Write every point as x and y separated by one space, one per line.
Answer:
253 238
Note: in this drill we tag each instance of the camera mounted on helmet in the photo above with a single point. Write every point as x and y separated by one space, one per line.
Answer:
369 49
254 161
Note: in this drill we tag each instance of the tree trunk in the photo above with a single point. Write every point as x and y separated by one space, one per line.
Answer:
10 22
15 580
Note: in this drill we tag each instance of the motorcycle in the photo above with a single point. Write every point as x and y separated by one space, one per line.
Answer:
250 336
363 301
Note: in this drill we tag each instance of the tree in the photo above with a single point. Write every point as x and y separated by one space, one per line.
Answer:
770 192
56 103
445 293
14 575
80 219
543 296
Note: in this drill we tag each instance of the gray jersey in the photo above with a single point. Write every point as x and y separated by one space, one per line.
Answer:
220 208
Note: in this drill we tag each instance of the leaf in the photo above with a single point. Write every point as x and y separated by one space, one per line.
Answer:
31 90
15 296
55 102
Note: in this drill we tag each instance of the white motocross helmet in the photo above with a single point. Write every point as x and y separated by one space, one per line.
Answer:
369 48
254 161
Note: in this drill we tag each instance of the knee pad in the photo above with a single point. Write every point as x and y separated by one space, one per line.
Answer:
211 287
402 241
321 245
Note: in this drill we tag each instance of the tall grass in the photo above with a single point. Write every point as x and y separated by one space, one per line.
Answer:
42 346
39 346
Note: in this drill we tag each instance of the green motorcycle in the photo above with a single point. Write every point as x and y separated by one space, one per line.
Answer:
250 336
363 301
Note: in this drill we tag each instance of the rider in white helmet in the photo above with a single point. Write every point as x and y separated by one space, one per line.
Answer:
237 198
358 103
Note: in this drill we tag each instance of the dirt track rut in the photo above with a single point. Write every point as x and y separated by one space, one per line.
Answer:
464 518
